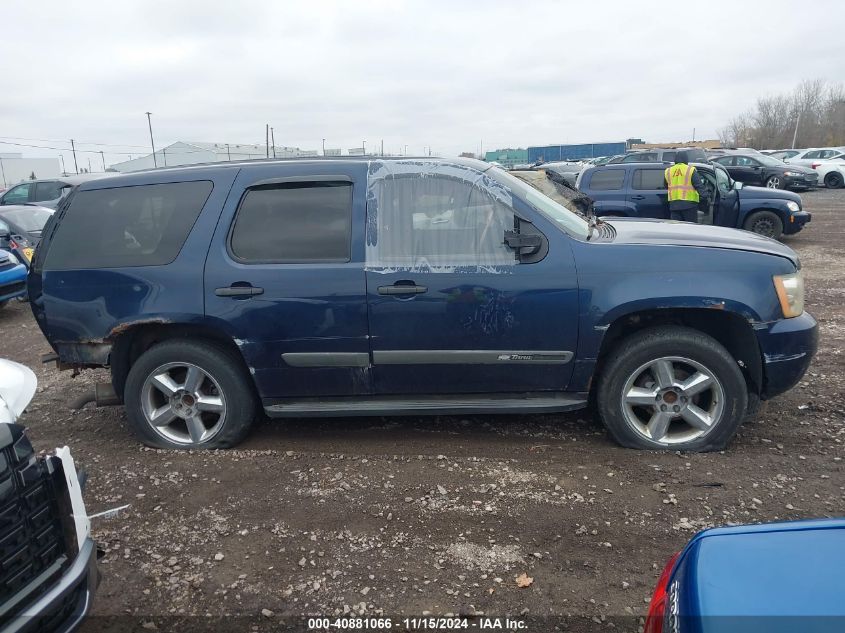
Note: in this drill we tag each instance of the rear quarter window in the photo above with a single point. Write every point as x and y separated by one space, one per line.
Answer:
143 225
607 179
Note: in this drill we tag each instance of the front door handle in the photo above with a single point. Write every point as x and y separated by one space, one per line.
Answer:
637 197
239 291
402 289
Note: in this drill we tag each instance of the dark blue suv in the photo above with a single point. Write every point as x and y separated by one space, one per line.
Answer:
408 286
639 190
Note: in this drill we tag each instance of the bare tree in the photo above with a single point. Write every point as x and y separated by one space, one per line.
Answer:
813 113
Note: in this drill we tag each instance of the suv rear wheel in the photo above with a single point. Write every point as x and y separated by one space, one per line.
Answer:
765 223
672 388
186 394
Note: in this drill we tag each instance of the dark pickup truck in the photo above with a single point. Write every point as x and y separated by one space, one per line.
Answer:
639 190
369 286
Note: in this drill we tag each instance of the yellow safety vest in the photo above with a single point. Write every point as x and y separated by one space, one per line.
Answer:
679 179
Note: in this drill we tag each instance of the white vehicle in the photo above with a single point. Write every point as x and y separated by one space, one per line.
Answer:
49 558
807 157
831 172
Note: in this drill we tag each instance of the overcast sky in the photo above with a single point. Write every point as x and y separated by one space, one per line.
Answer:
449 74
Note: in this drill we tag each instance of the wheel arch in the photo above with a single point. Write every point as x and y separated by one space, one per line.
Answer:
134 339
730 329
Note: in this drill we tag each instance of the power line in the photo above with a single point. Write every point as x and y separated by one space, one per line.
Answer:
53 140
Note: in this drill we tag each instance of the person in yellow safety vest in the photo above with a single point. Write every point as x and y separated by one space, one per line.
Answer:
685 189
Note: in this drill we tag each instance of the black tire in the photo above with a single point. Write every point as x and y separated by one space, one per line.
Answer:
222 365
644 347
775 182
834 180
766 223
3 304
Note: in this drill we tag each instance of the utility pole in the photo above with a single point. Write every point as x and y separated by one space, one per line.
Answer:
103 156
228 153
406 151
64 171
164 154
364 147
273 140
89 165
267 138
73 149
3 170
382 147
324 147
693 135
795 135
152 143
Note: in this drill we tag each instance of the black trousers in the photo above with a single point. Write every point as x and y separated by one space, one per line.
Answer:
685 213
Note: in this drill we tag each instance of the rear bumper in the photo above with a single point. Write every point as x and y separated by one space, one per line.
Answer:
13 282
63 608
787 347
796 222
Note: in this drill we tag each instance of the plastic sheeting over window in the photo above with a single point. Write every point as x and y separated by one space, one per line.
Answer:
437 217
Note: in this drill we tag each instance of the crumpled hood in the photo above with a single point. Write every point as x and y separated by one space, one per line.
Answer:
17 386
673 233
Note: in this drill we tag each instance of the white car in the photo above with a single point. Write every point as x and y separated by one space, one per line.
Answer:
831 172
813 155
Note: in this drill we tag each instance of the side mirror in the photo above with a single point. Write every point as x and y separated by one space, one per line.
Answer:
737 185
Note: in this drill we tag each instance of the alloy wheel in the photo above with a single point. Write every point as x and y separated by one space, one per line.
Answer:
183 403
773 182
672 400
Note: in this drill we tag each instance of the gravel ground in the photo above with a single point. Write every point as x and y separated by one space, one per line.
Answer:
411 516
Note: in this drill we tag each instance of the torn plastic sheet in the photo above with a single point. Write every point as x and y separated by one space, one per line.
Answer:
436 217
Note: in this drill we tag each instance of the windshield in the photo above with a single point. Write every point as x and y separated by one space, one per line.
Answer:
31 219
769 161
570 222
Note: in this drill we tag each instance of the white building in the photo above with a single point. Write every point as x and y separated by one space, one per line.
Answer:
14 168
184 153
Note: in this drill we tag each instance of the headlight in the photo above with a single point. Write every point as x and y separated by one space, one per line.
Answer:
790 291
793 206
792 173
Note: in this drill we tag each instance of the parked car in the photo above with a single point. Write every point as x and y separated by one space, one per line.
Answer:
49 567
831 172
695 154
20 229
639 191
12 278
807 157
782 154
775 577
392 286
568 171
48 192
767 171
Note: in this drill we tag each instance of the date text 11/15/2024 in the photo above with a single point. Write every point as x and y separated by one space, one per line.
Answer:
416 624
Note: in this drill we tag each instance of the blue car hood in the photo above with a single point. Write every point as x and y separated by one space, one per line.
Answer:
776 570
672 233
771 194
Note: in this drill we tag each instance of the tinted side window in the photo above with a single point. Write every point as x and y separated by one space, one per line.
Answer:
17 195
815 154
439 221
745 161
47 191
640 157
669 157
649 179
296 222
725 160
607 179
144 225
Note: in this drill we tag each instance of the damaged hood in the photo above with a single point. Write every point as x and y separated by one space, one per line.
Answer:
672 233
17 386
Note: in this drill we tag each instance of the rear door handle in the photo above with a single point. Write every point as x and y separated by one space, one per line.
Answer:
402 289
637 197
238 291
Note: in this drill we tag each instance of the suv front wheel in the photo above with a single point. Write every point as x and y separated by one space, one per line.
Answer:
672 388
185 394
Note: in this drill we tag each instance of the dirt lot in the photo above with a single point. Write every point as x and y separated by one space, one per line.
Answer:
410 516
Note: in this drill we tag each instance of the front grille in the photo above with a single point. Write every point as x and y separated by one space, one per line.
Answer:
7 289
32 542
